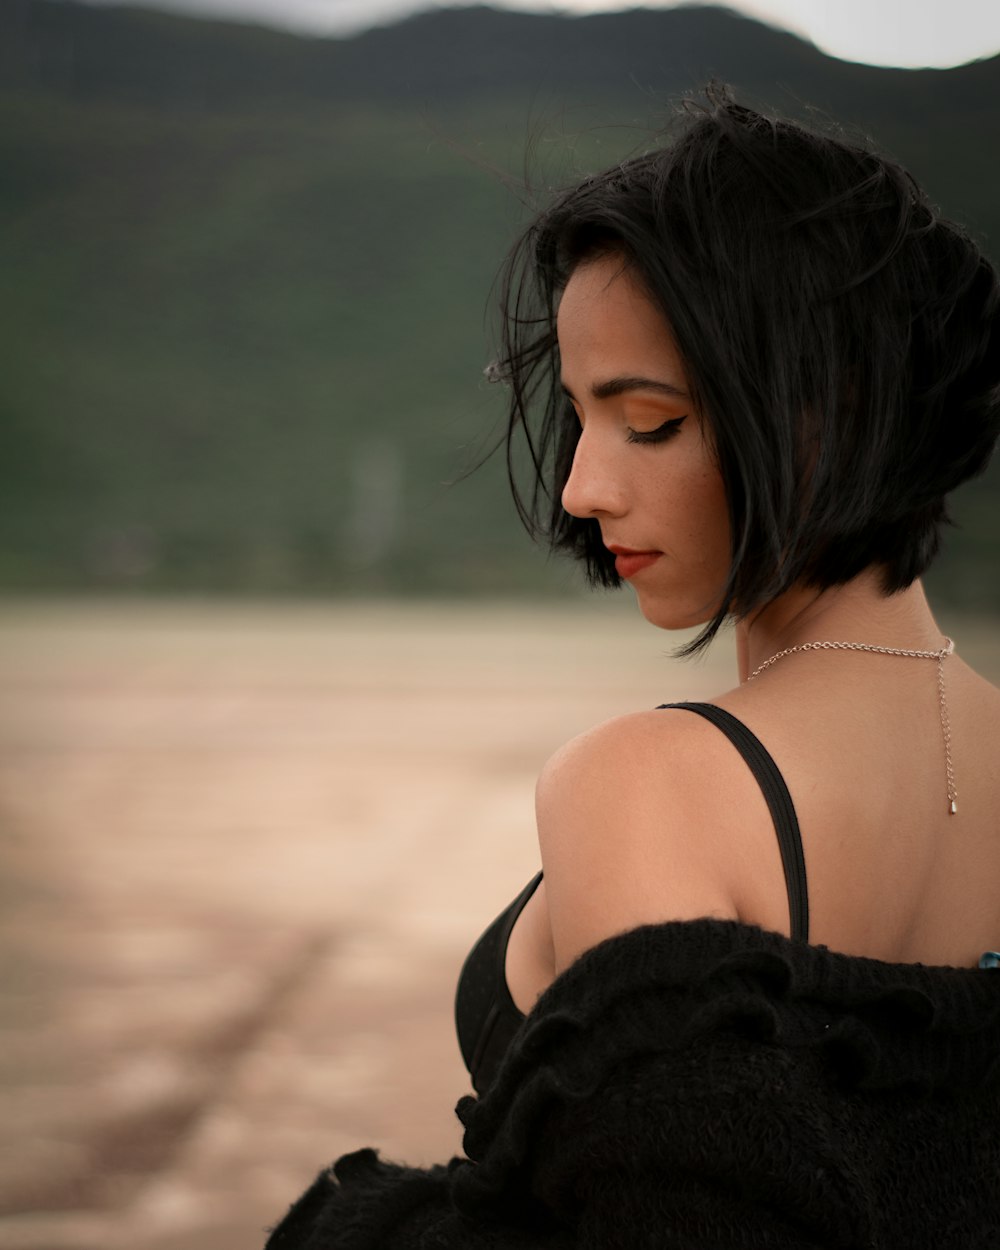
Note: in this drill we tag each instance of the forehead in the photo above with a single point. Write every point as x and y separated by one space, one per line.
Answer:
606 321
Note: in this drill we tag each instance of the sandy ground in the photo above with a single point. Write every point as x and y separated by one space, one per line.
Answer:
243 852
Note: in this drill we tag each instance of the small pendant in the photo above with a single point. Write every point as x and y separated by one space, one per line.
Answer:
954 807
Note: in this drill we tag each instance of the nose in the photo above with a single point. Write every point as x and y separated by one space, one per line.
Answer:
593 489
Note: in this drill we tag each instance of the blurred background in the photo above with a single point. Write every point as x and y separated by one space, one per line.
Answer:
277 672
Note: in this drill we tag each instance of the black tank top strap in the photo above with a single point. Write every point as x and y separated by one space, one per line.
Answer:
779 802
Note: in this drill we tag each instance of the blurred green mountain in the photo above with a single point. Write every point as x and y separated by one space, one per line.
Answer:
247 276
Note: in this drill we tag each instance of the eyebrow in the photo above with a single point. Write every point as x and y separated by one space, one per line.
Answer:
619 386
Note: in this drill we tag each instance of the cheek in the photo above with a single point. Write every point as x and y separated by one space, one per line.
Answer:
698 513
716 541
718 509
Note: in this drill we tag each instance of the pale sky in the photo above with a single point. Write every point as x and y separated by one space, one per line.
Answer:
881 32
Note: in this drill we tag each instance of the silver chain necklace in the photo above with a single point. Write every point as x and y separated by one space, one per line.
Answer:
940 656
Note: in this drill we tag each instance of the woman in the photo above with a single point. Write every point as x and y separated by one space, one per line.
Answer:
760 995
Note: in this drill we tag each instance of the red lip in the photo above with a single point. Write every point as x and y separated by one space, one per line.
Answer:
628 561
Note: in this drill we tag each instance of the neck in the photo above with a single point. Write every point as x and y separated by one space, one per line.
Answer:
856 612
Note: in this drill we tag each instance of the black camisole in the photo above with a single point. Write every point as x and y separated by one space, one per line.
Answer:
486 1017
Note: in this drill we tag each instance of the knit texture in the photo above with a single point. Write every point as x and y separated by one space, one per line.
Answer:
706 1085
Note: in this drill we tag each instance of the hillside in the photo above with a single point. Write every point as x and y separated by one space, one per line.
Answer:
248 272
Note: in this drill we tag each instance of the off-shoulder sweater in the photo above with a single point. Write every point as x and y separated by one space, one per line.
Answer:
707 1085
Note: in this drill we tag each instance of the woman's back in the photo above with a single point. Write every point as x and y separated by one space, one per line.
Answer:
892 873
655 816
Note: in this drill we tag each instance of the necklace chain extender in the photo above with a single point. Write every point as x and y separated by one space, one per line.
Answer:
940 656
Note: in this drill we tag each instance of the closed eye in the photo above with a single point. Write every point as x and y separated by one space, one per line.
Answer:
662 432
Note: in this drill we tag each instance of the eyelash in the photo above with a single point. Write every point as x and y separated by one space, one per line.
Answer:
660 435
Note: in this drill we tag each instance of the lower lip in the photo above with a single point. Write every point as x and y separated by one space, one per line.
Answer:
628 566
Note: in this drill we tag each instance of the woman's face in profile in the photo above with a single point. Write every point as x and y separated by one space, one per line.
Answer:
643 468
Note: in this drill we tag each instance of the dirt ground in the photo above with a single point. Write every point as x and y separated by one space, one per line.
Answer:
243 852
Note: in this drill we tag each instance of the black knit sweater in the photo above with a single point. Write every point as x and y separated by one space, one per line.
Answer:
705 1085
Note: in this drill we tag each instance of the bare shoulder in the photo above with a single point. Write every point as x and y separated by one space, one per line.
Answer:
639 822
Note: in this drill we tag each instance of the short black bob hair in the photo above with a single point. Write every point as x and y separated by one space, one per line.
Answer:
841 338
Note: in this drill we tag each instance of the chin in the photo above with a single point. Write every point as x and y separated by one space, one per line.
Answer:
673 615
